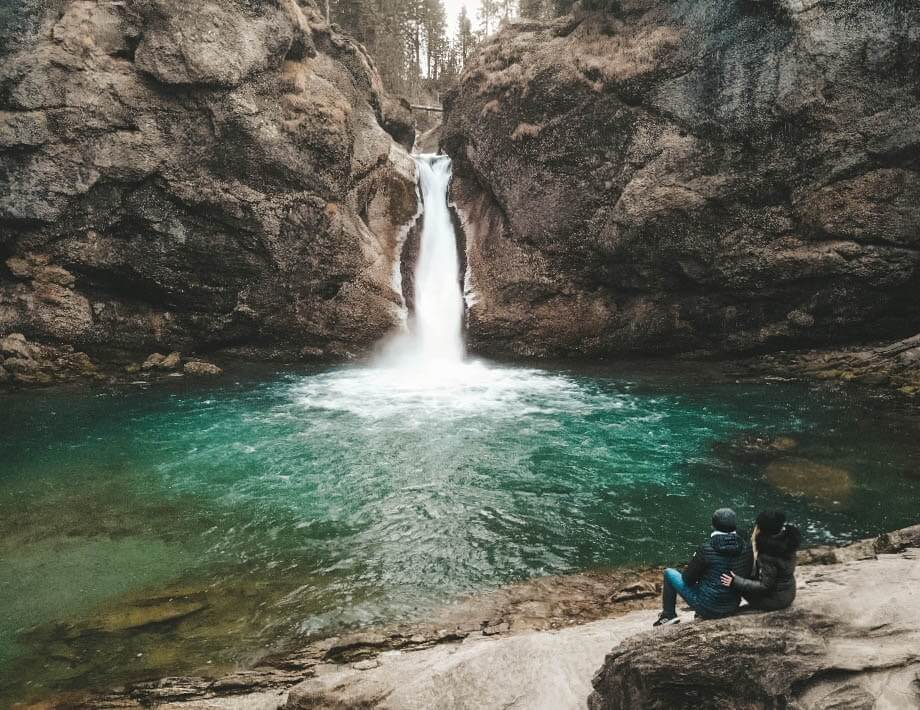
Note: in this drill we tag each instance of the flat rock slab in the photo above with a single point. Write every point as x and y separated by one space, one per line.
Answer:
538 670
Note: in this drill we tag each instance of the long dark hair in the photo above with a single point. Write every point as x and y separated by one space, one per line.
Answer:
773 535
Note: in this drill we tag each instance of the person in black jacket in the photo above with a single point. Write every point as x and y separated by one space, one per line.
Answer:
774 546
724 552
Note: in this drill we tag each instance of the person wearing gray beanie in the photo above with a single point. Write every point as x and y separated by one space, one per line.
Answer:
724 520
724 552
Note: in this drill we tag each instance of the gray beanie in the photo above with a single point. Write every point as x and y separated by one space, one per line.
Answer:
725 520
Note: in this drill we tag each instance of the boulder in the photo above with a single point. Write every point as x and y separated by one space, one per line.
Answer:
152 361
850 640
199 368
194 175
34 364
32 378
170 362
21 365
16 346
691 177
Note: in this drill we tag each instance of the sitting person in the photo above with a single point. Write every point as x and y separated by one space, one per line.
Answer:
774 544
724 551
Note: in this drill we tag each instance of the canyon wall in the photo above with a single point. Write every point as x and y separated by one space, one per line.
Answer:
692 176
196 176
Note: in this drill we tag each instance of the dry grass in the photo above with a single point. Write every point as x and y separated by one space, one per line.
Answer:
526 130
492 107
615 52
623 56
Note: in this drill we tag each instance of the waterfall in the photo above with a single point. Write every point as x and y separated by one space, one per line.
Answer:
434 341
438 297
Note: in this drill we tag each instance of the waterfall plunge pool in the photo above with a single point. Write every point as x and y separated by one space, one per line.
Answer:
300 504
192 530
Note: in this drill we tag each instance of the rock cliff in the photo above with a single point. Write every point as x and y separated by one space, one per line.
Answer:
692 176
195 176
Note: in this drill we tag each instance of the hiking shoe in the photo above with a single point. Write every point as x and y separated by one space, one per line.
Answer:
665 620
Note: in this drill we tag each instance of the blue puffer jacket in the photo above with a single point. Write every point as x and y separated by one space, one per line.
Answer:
720 554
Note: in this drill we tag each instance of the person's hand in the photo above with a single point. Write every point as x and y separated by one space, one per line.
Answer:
727 579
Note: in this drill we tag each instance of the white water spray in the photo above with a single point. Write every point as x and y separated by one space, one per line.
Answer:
438 298
434 341
423 372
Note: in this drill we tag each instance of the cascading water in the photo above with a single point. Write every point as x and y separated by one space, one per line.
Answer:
438 299
431 352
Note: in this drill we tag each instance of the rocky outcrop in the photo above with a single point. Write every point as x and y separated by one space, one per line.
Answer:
894 365
851 640
29 364
692 177
197 176
548 670
536 645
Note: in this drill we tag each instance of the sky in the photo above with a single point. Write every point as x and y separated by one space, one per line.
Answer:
453 12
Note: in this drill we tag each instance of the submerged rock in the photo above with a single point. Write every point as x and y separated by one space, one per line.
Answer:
802 477
197 174
134 617
685 176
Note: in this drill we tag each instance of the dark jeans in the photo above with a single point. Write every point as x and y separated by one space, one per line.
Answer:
672 586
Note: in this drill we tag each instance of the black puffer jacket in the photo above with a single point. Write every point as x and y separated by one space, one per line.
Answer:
772 585
718 555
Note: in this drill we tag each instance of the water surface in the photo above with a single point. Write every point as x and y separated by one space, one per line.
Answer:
298 504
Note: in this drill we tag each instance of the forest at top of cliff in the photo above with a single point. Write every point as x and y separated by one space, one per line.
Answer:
421 46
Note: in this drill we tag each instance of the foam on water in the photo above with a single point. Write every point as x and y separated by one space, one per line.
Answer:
462 389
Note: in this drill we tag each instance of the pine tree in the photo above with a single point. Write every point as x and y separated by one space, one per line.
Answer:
436 43
489 12
465 40
533 9
406 38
